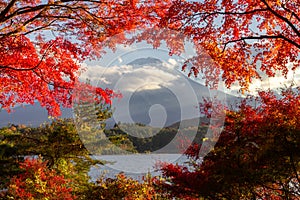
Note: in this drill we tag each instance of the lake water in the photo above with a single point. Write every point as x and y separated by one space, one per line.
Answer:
133 165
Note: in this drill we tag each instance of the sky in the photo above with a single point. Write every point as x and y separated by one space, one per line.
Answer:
114 64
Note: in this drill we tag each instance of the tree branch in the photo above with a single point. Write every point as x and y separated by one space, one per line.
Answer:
57 4
32 68
40 28
233 13
292 13
6 10
51 83
282 18
280 36
24 10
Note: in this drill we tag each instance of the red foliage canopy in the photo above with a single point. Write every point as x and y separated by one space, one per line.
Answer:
39 182
42 44
242 37
257 154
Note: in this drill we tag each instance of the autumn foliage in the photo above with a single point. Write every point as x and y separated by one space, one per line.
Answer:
43 43
39 182
257 155
245 39
122 187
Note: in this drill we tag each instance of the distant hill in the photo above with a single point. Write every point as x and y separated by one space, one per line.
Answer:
152 139
145 61
187 123
31 115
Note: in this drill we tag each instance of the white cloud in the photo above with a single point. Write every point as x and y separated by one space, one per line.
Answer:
171 64
129 78
172 61
273 83
146 77
279 81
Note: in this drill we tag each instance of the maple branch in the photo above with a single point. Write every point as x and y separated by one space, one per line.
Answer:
85 10
294 167
57 16
6 10
205 15
293 14
30 31
16 69
28 9
32 68
280 36
232 13
282 18
23 25
40 28
50 83
41 7
24 10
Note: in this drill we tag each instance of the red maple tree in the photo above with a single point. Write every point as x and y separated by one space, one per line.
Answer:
38 182
256 156
245 39
43 43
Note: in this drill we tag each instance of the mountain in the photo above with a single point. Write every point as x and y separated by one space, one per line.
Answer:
31 115
158 107
178 100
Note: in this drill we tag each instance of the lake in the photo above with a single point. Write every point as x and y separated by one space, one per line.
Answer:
133 165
